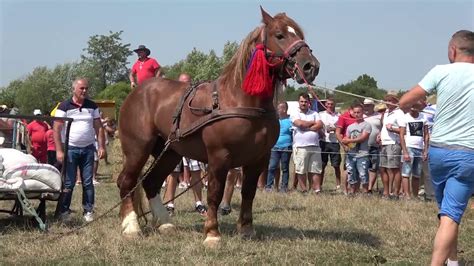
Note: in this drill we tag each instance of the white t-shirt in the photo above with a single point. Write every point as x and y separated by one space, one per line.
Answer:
414 130
454 84
305 138
329 119
393 117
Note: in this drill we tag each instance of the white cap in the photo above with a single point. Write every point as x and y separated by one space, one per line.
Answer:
37 112
368 101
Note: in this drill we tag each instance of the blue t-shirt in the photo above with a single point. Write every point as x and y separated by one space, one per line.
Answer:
454 123
285 139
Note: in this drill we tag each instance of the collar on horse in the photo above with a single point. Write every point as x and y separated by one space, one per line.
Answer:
210 114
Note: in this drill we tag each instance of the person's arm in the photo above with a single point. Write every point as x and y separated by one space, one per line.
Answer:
426 141
131 76
340 138
316 126
303 124
403 144
158 72
57 128
363 137
100 133
411 97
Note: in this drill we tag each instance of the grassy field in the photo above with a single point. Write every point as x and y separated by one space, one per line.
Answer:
291 229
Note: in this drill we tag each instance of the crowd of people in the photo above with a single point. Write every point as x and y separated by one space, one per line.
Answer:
394 139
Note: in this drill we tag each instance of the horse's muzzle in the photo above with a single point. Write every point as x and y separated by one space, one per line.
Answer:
307 70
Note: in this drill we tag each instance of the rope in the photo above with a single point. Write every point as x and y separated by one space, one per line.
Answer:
349 93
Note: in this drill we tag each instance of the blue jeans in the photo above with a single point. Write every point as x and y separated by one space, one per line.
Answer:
82 158
357 169
282 156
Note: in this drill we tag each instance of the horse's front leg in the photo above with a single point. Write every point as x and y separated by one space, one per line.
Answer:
216 184
249 187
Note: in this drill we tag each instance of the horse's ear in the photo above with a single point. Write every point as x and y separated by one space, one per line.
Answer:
266 18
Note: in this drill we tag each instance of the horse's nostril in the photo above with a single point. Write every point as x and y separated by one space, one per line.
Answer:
307 67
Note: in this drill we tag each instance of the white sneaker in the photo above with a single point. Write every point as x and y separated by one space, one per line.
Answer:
164 184
95 182
88 217
182 185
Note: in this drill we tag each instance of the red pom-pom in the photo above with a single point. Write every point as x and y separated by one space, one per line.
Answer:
258 81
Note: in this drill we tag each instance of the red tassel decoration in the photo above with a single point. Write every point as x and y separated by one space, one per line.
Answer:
258 81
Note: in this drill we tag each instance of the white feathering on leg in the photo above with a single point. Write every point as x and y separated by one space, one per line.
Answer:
130 224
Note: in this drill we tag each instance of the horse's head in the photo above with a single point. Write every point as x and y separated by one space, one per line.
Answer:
286 49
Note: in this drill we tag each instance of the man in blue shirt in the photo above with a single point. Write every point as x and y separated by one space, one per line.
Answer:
451 152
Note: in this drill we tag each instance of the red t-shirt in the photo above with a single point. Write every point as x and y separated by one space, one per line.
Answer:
344 121
145 69
50 140
37 132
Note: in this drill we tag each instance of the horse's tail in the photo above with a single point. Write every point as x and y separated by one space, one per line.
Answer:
140 204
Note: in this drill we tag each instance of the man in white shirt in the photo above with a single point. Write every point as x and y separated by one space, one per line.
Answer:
451 152
391 150
306 151
414 142
375 121
330 145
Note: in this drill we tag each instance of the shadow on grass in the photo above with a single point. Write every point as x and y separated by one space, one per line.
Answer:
270 233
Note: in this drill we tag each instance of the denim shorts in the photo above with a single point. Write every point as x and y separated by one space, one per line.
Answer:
452 174
414 166
357 169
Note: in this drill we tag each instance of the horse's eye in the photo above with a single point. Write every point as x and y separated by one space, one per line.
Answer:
279 36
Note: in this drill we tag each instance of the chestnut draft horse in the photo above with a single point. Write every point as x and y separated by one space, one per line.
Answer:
227 123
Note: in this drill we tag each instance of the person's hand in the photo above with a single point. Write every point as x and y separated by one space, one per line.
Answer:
60 156
389 127
345 147
424 156
378 139
133 84
101 153
406 157
346 141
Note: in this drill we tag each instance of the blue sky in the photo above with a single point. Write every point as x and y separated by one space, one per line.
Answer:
396 42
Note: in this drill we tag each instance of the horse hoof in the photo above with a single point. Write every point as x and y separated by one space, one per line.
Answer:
167 229
130 226
212 242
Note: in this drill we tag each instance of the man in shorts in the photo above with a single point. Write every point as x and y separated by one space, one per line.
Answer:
451 152
307 154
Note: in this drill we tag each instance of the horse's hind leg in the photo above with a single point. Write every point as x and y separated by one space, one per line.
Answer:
152 185
135 155
249 187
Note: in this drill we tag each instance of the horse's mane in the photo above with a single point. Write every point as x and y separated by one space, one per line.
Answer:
234 72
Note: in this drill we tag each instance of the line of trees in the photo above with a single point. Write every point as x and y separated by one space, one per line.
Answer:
104 63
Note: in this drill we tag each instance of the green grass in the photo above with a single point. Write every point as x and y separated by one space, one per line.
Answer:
291 229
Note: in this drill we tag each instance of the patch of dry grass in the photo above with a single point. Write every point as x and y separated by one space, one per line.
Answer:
291 229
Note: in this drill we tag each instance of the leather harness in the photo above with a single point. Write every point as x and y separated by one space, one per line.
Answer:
210 114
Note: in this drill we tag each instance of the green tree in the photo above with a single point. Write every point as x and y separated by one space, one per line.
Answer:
8 94
106 57
228 52
364 85
117 92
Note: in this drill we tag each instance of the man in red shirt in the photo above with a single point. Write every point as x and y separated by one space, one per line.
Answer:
145 67
344 121
37 133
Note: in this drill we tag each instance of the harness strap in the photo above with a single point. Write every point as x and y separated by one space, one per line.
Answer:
219 114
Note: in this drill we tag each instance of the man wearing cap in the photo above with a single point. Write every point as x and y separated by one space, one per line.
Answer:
145 67
37 133
375 121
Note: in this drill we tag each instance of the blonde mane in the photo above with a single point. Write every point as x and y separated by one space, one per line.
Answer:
234 71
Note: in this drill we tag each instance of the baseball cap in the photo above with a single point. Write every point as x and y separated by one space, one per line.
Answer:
37 112
368 101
